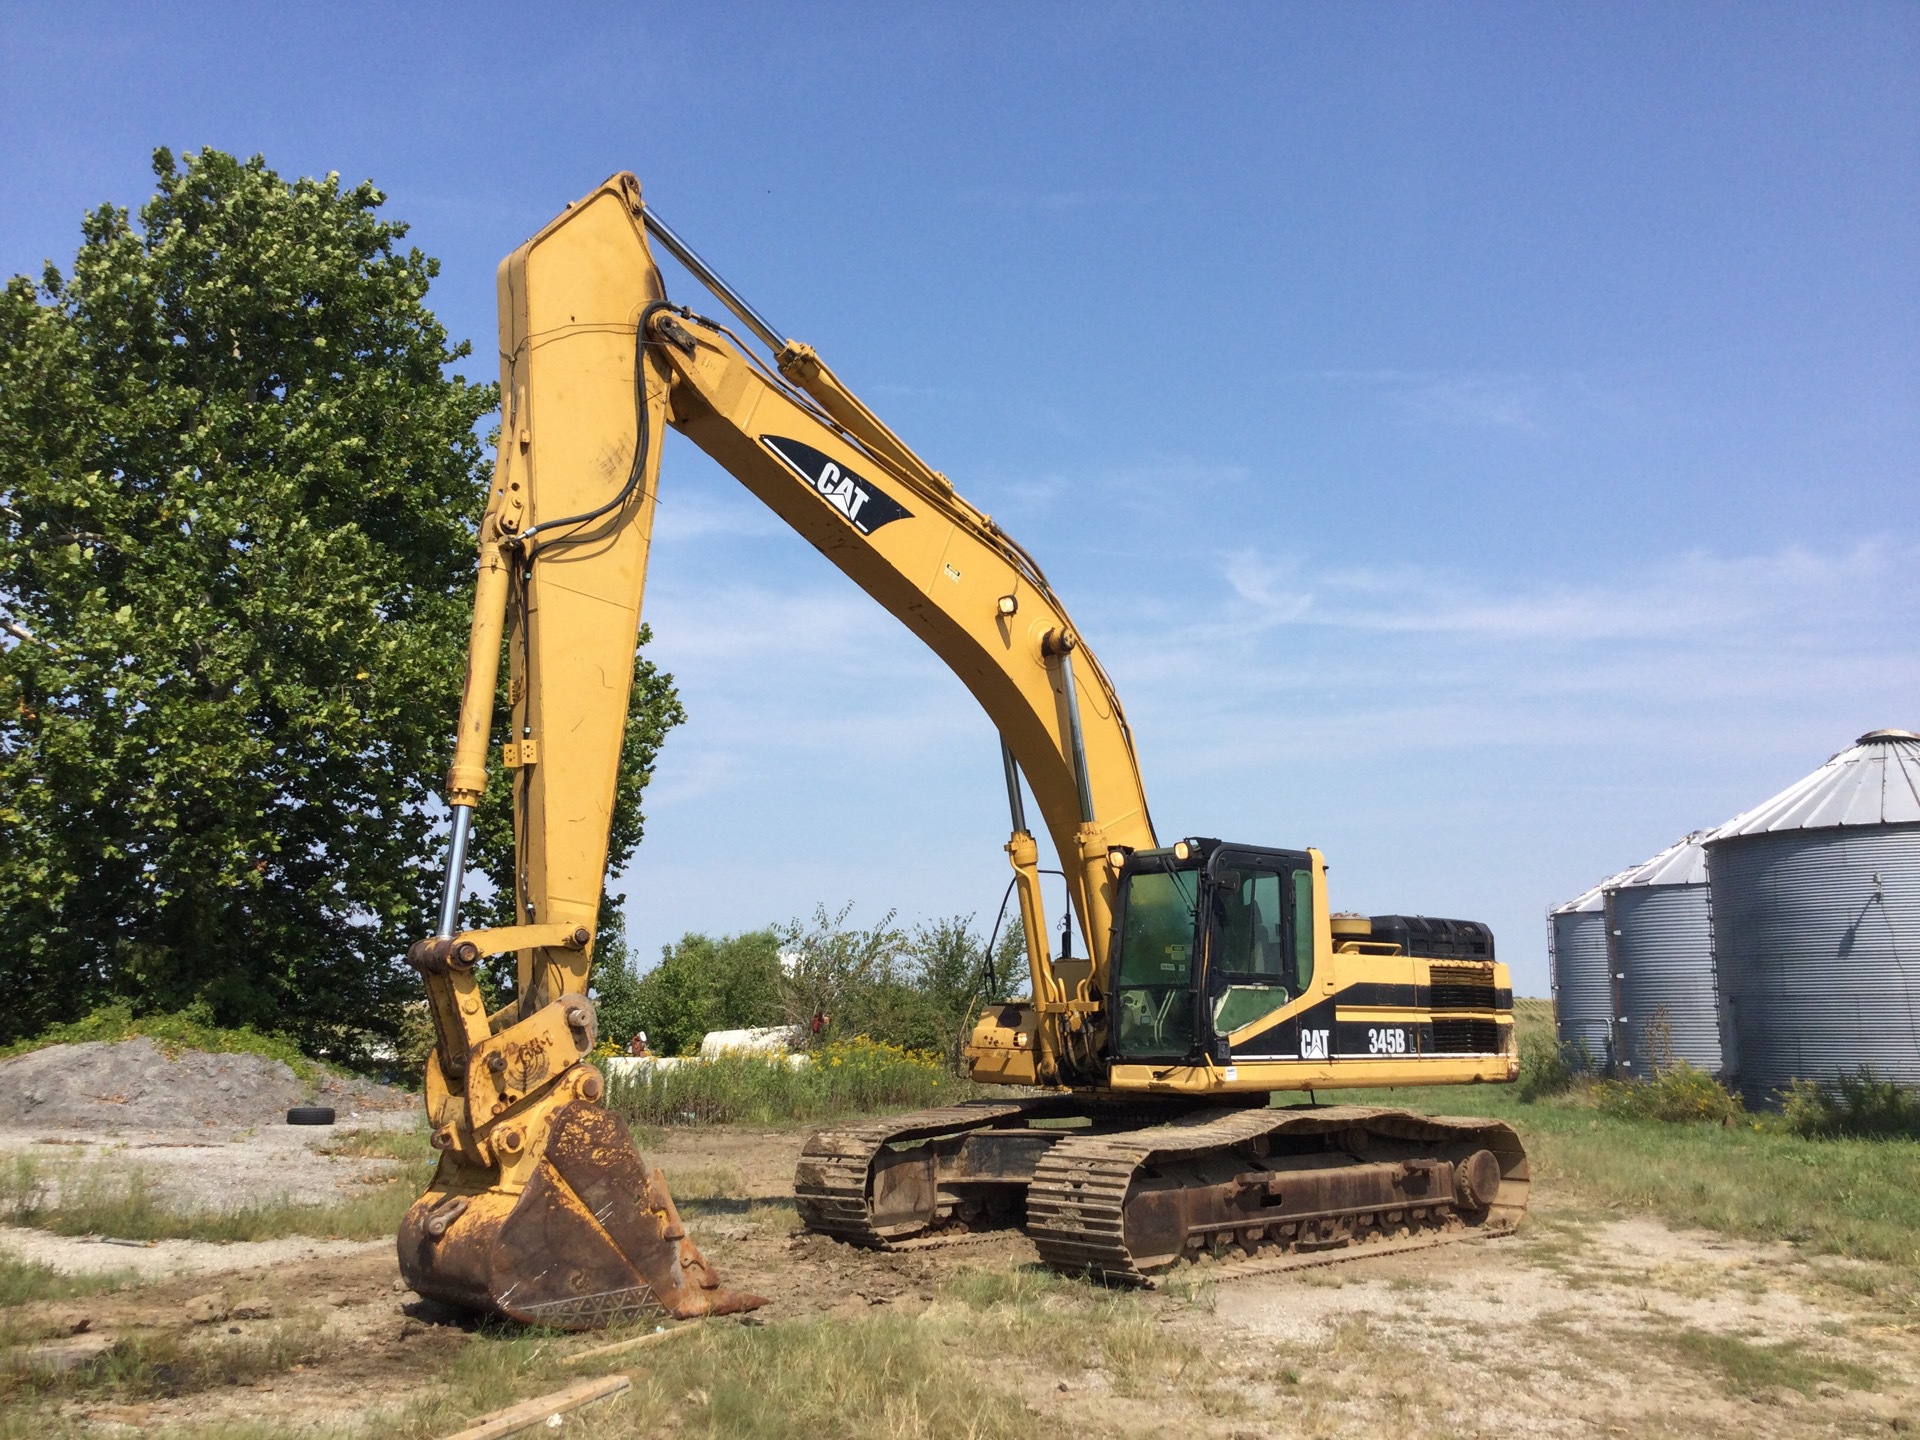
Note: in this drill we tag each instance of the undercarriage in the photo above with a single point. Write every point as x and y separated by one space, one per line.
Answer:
1129 1192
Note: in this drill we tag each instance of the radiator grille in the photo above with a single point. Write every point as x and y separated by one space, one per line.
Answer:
1466 1037
1461 987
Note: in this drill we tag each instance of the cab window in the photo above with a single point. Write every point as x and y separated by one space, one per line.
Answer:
1263 943
1154 996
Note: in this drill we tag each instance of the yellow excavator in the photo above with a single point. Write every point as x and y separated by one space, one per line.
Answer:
1138 1131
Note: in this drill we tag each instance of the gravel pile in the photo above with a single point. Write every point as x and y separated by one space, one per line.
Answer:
133 1084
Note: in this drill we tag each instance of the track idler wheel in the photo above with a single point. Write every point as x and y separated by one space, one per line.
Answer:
593 1240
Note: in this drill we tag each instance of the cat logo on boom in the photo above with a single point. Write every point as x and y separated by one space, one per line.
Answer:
858 499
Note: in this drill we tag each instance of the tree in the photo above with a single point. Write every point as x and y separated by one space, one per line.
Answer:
236 552
704 984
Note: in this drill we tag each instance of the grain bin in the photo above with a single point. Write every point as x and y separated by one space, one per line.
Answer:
1816 922
1582 976
1658 920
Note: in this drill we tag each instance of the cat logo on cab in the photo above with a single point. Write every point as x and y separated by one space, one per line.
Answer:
1313 1044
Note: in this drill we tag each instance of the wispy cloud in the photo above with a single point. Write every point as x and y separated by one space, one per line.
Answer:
682 517
1693 593
1516 402
1341 659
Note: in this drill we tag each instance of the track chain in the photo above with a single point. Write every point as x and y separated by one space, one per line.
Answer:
830 1183
1076 1205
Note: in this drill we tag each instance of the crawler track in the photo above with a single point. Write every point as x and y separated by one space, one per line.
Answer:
1137 1195
832 1183
1086 1190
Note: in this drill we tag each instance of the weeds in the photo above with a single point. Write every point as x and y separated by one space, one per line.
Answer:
1859 1106
1550 1067
1747 1368
23 1282
1678 1094
848 1077
102 1200
171 1363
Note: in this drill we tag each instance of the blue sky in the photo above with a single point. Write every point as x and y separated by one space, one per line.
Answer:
1479 440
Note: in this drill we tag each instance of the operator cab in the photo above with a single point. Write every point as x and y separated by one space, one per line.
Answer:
1208 938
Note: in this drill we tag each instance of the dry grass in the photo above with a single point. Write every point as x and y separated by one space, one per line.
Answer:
171 1363
105 1198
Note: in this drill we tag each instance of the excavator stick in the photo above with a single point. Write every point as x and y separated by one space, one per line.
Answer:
592 1240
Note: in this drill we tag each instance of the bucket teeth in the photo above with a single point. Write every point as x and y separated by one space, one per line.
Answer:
593 1240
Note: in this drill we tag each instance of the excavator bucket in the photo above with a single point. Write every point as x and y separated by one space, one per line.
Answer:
592 1240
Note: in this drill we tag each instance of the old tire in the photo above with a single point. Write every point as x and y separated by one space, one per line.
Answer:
310 1115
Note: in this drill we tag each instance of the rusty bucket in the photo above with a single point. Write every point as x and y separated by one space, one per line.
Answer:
592 1240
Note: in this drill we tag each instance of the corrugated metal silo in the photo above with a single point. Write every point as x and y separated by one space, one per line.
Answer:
1816 919
1582 976
1662 933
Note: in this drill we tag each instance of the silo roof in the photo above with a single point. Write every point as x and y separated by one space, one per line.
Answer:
1682 863
1588 900
1874 781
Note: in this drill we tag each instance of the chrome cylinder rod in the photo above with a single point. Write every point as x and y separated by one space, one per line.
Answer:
1077 739
456 872
704 273
1016 806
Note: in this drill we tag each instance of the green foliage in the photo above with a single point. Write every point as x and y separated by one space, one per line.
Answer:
913 989
238 486
702 984
1860 1105
1548 1067
844 1077
1678 1094
190 1029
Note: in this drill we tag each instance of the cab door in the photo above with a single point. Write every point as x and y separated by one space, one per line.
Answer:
1259 940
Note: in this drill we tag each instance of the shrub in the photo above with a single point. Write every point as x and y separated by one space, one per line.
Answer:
847 1077
1549 1066
1859 1106
1678 1094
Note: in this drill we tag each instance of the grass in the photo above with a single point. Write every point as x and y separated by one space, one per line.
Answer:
850 1077
952 1368
1750 1369
941 1372
100 1198
148 1365
189 1029
1857 1198
25 1282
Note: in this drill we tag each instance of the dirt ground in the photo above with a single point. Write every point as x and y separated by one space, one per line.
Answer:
1584 1324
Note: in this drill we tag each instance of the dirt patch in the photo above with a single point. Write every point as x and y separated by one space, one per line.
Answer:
165 1259
134 1084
